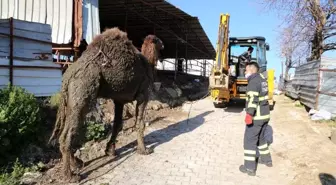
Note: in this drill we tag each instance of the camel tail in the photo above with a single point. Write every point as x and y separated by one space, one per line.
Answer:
60 119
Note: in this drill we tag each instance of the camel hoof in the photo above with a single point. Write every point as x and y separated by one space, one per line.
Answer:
73 178
146 151
110 153
77 164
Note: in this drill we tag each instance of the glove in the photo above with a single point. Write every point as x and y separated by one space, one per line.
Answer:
248 119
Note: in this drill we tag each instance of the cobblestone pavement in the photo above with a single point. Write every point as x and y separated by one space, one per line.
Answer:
207 149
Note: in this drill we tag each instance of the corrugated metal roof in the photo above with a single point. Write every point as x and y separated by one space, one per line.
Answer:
57 13
172 25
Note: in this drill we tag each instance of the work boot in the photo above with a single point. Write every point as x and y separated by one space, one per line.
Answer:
268 164
249 172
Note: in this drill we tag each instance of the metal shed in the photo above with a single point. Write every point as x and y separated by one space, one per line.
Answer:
75 20
315 85
25 57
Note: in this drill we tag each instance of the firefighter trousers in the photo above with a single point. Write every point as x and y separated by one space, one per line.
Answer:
254 140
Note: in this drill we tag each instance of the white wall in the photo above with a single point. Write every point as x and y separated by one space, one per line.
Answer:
195 67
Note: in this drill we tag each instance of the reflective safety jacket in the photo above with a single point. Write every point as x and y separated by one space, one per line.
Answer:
257 98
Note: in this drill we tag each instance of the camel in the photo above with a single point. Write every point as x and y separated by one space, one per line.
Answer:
152 57
113 68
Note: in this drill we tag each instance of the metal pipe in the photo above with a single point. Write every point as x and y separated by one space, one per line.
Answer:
328 70
204 67
11 52
186 53
31 67
326 93
318 89
65 48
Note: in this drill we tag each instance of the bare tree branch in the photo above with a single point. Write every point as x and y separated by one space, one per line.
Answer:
312 26
330 46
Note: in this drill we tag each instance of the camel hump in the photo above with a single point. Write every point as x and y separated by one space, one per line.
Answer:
114 46
115 33
109 35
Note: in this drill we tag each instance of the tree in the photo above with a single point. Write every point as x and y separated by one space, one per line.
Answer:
293 49
314 21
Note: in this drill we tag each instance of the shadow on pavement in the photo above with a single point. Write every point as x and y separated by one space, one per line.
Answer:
164 135
154 139
327 179
236 106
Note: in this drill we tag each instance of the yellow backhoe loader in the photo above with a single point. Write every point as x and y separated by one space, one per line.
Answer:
227 81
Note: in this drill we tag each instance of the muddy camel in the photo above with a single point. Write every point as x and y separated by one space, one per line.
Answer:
113 68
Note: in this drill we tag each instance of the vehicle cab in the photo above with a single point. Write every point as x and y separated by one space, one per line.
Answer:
237 46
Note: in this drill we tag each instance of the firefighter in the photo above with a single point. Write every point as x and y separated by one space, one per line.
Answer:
257 118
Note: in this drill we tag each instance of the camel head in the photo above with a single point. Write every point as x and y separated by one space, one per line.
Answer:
151 48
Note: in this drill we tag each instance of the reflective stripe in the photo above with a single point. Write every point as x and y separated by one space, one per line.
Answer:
247 158
252 152
262 117
262 98
258 117
264 152
262 76
252 93
251 105
264 146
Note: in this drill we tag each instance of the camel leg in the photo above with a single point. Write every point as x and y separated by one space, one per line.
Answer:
117 127
66 139
155 74
140 124
75 162
80 94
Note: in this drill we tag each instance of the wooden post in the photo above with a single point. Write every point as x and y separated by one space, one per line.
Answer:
11 50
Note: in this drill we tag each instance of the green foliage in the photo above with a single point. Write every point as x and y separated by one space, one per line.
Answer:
95 131
55 100
19 120
13 178
298 104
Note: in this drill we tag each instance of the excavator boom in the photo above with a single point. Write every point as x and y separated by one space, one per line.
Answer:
222 43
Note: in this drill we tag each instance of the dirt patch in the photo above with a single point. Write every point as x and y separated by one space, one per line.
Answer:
306 146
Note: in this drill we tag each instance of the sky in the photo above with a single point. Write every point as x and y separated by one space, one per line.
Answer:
247 18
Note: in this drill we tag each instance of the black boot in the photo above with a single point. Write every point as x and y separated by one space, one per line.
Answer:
268 164
248 171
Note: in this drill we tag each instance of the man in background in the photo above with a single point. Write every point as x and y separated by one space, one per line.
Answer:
244 58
